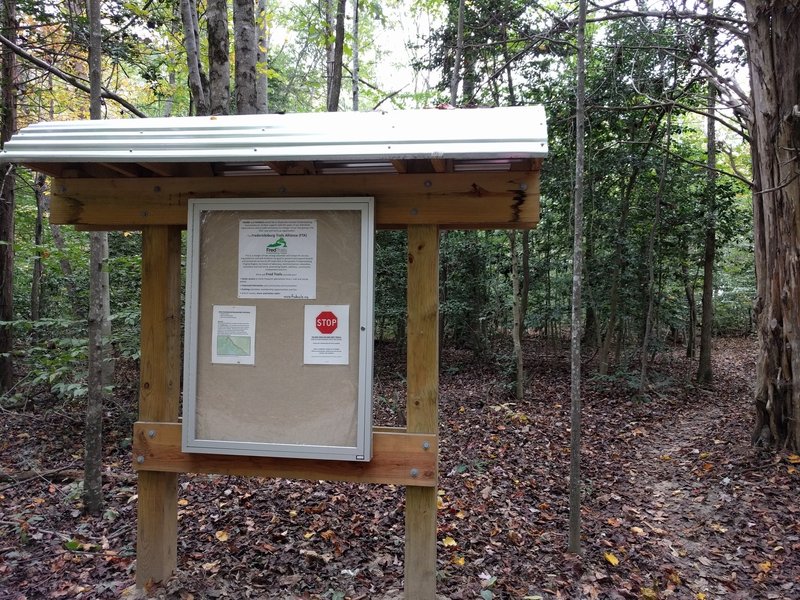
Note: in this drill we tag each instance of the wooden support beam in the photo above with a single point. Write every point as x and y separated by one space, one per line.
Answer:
450 200
124 169
422 403
159 397
162 169
398 458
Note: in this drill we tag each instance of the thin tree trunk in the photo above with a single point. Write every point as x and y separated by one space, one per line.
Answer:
8 181
648 326
704 372
458 55
356 64
516 329
219 65
98 294
691 312
577 273
335 78
36 275
774 50
244 31
262 58
525 293
192 46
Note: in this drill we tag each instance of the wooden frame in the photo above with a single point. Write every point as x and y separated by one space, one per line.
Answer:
483 200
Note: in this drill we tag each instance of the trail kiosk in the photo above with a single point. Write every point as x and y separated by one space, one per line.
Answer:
280 211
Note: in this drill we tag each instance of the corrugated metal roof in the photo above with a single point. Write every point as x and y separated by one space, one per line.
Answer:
362 137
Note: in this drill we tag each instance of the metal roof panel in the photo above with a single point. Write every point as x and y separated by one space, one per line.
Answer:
495 133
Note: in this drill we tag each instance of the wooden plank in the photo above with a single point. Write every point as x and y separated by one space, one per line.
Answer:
159 397
422 404
162 169
51 169
396 455
450 200
125 169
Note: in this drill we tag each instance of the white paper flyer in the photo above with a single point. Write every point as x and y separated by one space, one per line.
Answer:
233 335
278 258
326 334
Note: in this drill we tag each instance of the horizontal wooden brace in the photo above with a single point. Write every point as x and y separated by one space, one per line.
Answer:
451 200
398 458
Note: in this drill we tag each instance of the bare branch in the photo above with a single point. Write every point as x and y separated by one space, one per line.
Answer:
68 78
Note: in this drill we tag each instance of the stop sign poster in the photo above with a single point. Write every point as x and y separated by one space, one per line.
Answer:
326 334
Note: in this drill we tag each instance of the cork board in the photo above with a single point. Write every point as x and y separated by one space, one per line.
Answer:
279 328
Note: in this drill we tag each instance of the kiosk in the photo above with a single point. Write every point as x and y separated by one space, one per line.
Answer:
271 315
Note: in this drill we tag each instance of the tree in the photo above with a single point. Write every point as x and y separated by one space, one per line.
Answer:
219 65
99 329
774 55
577 274
8 181
336 55
246 49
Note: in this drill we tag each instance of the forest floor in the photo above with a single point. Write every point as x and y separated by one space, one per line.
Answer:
676 502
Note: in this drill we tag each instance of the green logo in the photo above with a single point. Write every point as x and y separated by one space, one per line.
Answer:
279 243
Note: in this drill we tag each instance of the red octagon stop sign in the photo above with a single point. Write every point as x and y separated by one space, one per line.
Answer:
326 322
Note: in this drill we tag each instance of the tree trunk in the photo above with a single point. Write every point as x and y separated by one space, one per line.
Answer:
651 292
191 42
516 329
774 48
335 72
219 66
356 64
262 57
704 372
244 35
8 181
577 274
525 293
458 55
36 275
691 312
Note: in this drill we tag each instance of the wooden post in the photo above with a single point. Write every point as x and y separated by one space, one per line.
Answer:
422 410
156 549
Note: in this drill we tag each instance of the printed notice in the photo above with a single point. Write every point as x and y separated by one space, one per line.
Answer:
326 335
233 335
278 258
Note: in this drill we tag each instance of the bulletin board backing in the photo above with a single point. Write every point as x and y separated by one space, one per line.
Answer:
278 346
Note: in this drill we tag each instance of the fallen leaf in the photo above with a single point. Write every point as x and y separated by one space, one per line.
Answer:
613 560
638 531
222 536
765 566
448 541
648 593
457 560
794 459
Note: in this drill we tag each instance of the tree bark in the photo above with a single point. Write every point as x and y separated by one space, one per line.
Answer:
651 292
356 63
577 274
219 65
704 371
244 32
774 49
191 42
335 69
8 181
99 326
458 54
262 58
516 330
36 275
